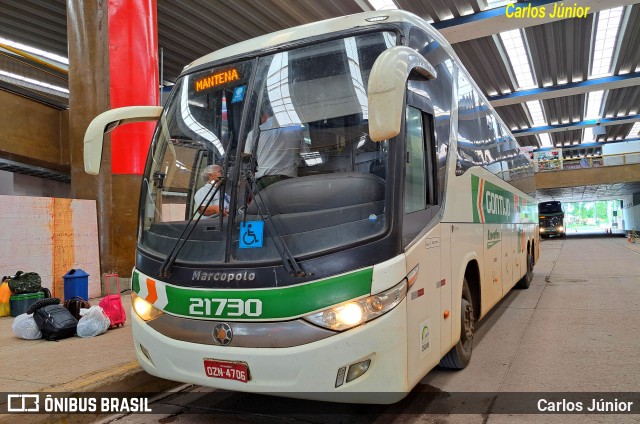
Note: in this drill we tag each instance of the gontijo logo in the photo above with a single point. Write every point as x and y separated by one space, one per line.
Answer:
492 204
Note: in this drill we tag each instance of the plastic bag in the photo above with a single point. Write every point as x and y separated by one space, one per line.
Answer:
25 327
5 296
93 322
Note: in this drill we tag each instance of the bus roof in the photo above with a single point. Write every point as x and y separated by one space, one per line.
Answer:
313 29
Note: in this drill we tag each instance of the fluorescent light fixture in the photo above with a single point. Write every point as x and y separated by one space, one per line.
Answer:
33 50
535 110
492 4
587 135
356 75
514 46
606 32
594 101
382 4
279 93
545 140
634 131
33 81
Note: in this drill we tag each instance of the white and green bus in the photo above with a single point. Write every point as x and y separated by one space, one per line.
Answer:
372 208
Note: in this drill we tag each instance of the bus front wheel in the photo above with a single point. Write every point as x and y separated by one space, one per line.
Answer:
460 355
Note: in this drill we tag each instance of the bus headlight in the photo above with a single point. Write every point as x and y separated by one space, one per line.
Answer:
355 312
561 229
144 309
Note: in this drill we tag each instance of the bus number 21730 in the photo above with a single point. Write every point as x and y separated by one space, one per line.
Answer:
225 307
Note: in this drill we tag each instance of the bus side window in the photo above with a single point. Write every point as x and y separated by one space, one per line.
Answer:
421 184
419 187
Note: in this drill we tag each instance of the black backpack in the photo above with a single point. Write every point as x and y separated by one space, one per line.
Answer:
54 320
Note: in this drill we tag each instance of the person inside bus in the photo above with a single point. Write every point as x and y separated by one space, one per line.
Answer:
212 175
278 150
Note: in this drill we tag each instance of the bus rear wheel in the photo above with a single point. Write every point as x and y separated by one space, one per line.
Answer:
525 281
460 355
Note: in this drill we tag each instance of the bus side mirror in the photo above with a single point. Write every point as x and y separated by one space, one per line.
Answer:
108 121
387 89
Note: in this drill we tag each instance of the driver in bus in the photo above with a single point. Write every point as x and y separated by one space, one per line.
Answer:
278 150
212 174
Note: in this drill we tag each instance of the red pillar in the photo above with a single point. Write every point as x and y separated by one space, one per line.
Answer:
133 76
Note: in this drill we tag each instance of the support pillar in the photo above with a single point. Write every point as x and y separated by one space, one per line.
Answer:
113 62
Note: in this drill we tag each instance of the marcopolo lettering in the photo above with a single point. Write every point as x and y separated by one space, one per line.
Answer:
496 204
223 276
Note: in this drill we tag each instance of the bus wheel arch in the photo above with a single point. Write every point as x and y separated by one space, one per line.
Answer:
460 355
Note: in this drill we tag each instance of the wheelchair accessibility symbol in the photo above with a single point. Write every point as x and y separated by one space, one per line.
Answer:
251 233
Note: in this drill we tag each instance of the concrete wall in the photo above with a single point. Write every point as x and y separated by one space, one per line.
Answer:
25 185
630 150
630 214
49 236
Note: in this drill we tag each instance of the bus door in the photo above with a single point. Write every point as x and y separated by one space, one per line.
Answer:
421 239
509 257
494 240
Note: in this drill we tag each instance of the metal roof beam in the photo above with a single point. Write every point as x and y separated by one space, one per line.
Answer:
494 21
563 90
577 125
590 145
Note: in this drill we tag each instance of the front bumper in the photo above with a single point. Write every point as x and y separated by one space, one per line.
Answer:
307 371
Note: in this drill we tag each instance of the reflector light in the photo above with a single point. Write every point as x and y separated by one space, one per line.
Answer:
340 376
357 370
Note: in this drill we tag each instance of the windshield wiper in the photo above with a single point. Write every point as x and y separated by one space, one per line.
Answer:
167 265
289 262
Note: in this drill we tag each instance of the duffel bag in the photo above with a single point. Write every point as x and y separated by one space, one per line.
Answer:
25 282
75 304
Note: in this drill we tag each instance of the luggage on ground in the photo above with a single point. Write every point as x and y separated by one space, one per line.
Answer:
20 303
25 327
25 282
112 303
54 320
93 322
75 304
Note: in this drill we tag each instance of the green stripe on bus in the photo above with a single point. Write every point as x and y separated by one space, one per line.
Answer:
275 303
135 282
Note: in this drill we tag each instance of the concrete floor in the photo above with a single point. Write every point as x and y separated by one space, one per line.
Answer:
576 329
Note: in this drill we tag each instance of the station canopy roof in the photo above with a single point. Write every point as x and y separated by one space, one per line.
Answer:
550 80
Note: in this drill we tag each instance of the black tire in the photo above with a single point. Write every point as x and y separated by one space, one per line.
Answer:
43 302
460 355
525 281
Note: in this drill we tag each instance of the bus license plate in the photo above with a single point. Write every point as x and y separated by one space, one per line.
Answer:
238 371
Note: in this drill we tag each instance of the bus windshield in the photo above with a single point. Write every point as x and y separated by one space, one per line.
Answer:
547 208
287 138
